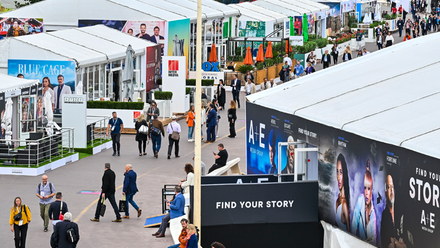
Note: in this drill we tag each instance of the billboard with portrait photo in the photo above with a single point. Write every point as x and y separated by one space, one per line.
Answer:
13 27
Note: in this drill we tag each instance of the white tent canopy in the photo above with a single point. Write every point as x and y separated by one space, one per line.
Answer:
260 10
61 14
249 14
376 96
291 8
9 83
87 46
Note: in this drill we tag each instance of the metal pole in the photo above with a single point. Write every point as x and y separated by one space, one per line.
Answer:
198 129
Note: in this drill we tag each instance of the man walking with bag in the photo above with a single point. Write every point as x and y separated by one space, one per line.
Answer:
57 209
66 233
155 130
130 189
45 191
107 191
116 125
174 131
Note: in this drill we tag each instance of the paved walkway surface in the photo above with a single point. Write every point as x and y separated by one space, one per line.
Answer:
86 174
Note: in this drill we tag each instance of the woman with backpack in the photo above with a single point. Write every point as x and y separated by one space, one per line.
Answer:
141 133
20 217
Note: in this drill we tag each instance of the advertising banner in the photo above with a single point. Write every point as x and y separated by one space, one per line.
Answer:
333 18
178 38
297 25
259 203
381 193
13 27
2 115
174 80
28 120
153 67
348 6
209 75
38 69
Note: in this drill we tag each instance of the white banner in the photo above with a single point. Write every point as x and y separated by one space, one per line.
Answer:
296 40
174 80
76 104
209 75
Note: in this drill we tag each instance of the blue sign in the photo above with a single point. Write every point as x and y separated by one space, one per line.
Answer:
210 66
38 69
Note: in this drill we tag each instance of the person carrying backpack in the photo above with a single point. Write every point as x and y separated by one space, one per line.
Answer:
45 191
66 233
155 131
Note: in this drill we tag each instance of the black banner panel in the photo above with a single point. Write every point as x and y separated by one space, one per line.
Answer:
247 179
383 194
259 203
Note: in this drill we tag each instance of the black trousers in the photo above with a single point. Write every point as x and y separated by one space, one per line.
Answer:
335 59
20 233
111 198
326 65
116 137
236 97
170 146
215 167
232 129
142 145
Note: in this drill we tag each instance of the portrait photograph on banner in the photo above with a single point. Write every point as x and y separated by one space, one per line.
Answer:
13 27
28 119
154 62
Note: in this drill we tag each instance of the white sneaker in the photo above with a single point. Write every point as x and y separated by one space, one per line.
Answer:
216 136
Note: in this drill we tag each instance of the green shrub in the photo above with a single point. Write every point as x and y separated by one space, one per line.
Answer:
321 42
270 62
188 90
275 54
387 17
205 82
313 37
115 105
163 95
245 68
354 25
159 81
310 46
260 66
394 16
279 60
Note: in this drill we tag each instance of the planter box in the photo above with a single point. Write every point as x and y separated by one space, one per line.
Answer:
344 45
392 24
165 108
279 67
103 147
208 90
126 115
272 72
261 74
353 44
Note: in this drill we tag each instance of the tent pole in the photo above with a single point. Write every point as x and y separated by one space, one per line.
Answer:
198 142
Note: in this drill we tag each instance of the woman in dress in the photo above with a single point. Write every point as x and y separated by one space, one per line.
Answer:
221 94
19 219
232 118
47 90
343 202
141 138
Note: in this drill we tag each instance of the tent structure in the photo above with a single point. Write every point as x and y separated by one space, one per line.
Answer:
290 8
62 14
252 8
9 83
363 98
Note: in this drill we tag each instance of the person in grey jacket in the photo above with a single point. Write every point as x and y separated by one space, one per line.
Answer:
152 112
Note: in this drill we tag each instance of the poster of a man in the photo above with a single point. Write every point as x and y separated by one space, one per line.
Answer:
156 37
290 151
143 34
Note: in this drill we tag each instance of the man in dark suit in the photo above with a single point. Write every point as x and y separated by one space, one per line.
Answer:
236 87
326 59
108 191
130 189
212 122
60 232
156 37
400 24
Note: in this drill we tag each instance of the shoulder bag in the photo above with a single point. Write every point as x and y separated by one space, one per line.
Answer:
61 217
143 129
175 135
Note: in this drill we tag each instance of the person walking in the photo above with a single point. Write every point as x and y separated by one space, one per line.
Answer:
400 24
154 133
61 237
221 93
45 191
236 87
189 181
108 189
19 220
298 69
141 138
177 206
408 27
310 69
389 41
174 131
380 40
335 53
325 59
232 118
203 120
217 109
359 37
152 112
57 209
212 122
250 87
190 121
129 190
116 125
346 56
286 72
192 237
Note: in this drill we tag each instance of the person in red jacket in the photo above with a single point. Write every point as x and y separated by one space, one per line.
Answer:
394 9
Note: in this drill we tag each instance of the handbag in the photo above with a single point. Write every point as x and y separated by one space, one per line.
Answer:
175 135
123 204
61 216
103 207
143 129
18 216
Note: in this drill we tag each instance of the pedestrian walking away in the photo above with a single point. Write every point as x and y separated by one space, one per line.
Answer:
45 191
176 210
116 125
141 127
335 53
232 118
19 220
173 131
66 234
130 189
108 189
57 209
211 122
154 134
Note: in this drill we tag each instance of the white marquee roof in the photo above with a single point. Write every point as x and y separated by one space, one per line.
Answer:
10 83
87 46
261 10
381 96
291 8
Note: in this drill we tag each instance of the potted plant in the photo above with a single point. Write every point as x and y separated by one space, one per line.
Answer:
271 69
261 73
242 70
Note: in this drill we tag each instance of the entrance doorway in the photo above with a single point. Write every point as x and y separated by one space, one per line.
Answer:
299 158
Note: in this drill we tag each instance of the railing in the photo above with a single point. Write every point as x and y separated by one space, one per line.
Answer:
37 151
96 128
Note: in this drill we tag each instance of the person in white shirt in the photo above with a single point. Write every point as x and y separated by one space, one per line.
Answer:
389 40
270 84
203 120
185 183
286 58
365 52
250 87
173 127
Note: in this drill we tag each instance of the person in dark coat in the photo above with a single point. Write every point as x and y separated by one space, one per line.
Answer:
221 94
60 232
141 138
130 189
232 118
